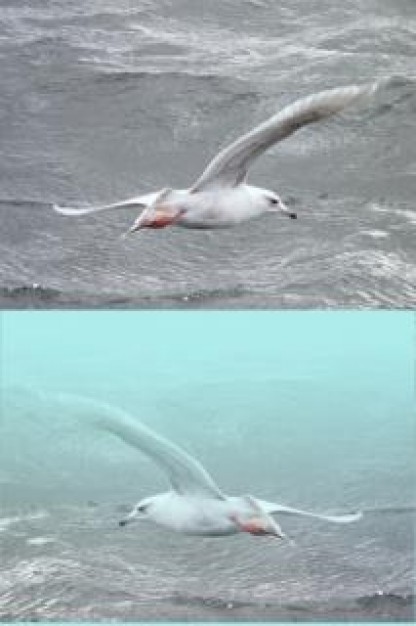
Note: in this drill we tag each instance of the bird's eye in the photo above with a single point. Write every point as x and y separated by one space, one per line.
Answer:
142 508
273 200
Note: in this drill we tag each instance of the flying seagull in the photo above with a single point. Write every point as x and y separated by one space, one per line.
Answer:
195 505
221 196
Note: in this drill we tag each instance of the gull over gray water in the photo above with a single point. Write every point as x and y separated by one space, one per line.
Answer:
221 197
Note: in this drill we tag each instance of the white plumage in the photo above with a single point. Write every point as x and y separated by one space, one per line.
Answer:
220 197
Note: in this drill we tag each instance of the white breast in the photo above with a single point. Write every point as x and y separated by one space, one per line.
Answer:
221 208
192 515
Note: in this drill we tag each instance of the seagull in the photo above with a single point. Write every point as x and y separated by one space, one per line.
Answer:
195 505
221 197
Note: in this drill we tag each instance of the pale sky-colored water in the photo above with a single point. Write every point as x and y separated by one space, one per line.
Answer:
312 410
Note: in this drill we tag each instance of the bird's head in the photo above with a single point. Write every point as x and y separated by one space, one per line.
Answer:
274 204
141 510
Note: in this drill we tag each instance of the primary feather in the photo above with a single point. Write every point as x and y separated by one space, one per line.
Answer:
230 166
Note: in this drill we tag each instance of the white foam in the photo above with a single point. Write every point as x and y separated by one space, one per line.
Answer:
6 522
408 214
40 541
376 234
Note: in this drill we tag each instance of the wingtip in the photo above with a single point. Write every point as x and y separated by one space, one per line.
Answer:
70 211
354 517
370 88
346 518
62 210
352 94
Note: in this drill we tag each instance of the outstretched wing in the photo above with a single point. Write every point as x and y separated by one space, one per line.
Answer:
138 202
273 508
186 474
230 166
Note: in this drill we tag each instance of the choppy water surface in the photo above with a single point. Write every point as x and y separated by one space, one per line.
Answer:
297 414
102 100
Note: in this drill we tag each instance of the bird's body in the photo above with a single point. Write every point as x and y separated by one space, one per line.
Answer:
195 505
215 208
221 197
194 515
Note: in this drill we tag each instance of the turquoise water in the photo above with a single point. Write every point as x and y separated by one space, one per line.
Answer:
314 410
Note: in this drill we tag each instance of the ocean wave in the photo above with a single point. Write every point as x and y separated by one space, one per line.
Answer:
380 604
29 294
36 295
6 522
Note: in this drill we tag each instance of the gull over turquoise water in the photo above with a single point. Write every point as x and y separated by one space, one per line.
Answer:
311 410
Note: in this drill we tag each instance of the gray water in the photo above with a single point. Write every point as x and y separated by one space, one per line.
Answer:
284 407
102 100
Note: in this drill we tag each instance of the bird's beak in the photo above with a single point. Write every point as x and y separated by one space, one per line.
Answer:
286 211
131 517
